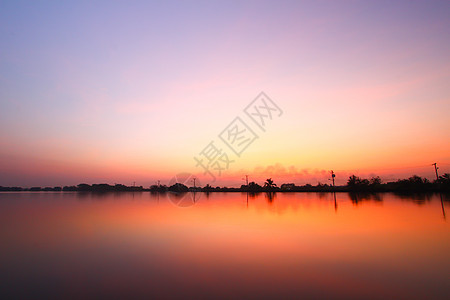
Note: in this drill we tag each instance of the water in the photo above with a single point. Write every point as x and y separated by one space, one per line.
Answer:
227 245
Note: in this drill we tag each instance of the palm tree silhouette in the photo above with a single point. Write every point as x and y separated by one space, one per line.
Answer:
269 184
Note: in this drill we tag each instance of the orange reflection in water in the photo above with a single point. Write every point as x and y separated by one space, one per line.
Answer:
228 244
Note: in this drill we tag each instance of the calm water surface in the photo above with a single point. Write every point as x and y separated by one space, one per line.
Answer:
301 245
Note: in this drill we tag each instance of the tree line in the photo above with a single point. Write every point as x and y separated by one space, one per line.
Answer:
354 184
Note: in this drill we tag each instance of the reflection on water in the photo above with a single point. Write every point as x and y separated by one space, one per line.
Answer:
227 245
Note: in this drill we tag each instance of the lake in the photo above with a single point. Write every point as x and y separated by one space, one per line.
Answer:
226 245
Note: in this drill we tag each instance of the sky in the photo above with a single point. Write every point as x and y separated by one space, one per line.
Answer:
132 91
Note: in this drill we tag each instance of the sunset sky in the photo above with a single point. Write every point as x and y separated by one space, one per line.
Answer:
123 92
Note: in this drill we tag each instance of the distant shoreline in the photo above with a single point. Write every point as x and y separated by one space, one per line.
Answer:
337 189
413 184
239 191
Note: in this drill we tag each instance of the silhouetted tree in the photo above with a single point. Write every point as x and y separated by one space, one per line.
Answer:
83 187
353 181
417 180
413 183
208 188
155 188
69 188
269 184
445 178
375 181
254 187
179 188
357 183
444 181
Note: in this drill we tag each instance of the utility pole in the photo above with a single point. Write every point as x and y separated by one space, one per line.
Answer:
246 180
332 176
435 169
194 181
